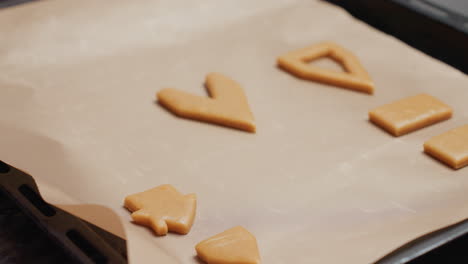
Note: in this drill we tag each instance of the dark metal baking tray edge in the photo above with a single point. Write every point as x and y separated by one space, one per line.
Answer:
417 23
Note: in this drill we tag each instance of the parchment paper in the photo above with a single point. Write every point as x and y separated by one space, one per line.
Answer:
316 184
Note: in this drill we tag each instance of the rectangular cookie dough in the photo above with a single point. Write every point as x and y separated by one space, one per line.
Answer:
450 147
410 114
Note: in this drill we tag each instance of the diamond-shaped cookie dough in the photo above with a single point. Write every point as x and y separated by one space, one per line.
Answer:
233 246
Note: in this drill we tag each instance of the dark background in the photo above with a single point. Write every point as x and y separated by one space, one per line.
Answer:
439 28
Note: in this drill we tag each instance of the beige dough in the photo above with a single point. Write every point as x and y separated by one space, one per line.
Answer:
410 114
355 77
227 106
163 209
233 246
450 147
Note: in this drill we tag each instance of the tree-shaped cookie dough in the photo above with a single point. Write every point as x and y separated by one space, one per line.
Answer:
163 209
233 246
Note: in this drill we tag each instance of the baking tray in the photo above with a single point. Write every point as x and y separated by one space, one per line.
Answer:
9 3
447 245
34 231
436 27
78 94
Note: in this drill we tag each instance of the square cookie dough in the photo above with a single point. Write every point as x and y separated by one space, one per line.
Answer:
410 114
450 147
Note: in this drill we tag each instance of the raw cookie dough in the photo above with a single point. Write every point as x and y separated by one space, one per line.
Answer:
163 209
450 147
233 246
410 114
355 77
227 106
